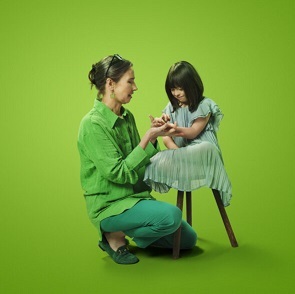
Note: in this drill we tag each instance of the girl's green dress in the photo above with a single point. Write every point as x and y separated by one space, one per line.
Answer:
197 162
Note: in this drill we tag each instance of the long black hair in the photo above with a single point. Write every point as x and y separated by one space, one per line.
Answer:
183 75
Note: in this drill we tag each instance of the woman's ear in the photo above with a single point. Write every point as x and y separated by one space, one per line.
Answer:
110 83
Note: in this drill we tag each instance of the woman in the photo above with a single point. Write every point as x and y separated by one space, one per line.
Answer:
113 161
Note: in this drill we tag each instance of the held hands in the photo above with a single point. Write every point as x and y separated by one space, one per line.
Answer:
159 121
161 127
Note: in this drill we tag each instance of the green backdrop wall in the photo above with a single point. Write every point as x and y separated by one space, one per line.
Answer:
244 52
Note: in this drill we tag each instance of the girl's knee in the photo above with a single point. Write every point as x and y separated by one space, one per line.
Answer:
207 146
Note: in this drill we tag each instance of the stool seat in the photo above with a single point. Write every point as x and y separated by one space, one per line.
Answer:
226 222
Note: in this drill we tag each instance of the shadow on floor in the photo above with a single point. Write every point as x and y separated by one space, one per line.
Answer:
164 252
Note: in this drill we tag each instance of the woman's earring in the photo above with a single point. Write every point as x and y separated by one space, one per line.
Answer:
113 95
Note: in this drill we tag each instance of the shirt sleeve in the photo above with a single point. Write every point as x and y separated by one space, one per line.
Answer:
102 149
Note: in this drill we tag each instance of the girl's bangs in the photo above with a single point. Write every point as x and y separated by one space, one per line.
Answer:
174 82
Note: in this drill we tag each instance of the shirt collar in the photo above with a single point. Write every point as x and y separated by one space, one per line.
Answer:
107 113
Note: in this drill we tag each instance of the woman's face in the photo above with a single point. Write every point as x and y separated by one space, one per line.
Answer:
125 87
179 94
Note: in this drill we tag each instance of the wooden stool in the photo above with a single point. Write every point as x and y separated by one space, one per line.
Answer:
177 234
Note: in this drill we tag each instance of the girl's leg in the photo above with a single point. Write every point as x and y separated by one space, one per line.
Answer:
149 221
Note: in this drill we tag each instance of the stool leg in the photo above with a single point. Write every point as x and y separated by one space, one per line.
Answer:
189 207
177 234
225 219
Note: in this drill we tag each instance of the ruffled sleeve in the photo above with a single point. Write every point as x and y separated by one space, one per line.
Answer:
205 107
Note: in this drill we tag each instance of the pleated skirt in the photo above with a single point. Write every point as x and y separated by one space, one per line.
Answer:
189 168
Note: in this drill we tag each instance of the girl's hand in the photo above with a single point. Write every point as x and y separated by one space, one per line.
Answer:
165 117
159 121
175 131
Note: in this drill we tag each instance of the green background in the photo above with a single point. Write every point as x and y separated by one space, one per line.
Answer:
244 52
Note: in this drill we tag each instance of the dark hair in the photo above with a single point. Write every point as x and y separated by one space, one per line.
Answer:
183 75
109 67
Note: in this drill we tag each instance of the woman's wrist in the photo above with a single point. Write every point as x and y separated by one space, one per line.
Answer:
154 142
152 136
146 139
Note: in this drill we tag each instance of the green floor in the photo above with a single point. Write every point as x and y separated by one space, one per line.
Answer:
64 258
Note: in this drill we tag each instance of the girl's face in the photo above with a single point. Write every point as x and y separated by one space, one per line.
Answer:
125 87
179 94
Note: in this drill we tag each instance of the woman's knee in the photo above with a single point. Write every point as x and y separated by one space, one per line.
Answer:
191 240
188 236
172 219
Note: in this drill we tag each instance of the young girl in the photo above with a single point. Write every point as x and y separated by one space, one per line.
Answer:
193 158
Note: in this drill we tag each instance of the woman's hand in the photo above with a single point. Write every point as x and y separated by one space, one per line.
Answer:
166 129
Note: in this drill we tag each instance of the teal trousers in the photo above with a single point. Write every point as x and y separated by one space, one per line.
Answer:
152 222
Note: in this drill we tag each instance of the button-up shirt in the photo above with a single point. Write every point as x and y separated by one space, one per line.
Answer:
112 162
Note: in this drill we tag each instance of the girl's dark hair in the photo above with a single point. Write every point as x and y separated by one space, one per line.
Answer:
183 75
112 66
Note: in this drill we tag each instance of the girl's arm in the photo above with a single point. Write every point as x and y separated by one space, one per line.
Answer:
193 131
169 143
188 133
